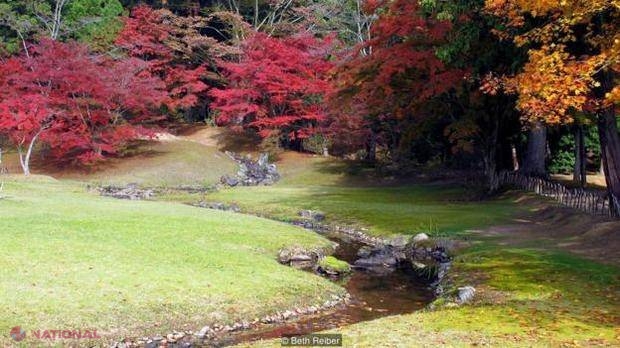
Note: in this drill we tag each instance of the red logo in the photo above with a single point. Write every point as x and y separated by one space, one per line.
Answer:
18 334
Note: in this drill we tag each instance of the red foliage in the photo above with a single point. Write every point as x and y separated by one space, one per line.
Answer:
82 106
144 36
399 75
278 85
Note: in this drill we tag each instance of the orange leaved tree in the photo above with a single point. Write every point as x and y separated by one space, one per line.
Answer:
574 60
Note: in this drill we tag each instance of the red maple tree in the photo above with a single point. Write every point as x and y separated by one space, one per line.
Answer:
83 106
392 75
277 87
146 35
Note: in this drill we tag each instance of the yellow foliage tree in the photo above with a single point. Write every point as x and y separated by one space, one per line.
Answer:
573 65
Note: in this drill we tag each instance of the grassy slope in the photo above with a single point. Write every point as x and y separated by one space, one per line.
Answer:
166 163
75 260
317 183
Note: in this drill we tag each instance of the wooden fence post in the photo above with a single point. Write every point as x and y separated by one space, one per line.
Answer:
577 198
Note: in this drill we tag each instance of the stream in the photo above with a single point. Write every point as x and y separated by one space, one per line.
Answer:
373 296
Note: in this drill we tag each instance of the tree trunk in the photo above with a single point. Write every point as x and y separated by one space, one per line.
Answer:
325 148
579 171
490 158
610 149
57 20
535 157
610 141
25 160
515 158
371 147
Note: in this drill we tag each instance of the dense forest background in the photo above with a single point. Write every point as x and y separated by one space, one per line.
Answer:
478 85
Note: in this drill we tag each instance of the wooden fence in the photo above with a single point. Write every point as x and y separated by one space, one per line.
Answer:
592 202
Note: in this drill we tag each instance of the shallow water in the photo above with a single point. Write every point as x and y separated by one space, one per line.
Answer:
373 296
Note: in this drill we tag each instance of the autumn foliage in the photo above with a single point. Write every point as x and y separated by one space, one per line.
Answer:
574 58
406 82
147 35
83 107
394 74
277 87
560 79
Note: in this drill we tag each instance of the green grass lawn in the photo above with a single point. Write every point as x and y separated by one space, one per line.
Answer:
320 184
385 210
75 260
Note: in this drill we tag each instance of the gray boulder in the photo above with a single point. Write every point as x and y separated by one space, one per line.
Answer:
377 261
272 169
263 160
382 259
131 192
250 172
298 257
229 180
399 242
364 252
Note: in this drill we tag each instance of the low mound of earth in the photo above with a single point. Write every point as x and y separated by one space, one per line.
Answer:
167 160
548 225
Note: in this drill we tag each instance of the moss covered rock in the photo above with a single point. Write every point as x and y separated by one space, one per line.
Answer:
334 267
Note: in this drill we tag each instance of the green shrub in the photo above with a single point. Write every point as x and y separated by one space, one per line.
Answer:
563 161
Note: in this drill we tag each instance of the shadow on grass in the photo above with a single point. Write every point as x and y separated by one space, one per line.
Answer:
137 150
229 140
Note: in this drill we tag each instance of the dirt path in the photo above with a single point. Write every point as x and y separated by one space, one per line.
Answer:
221 138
